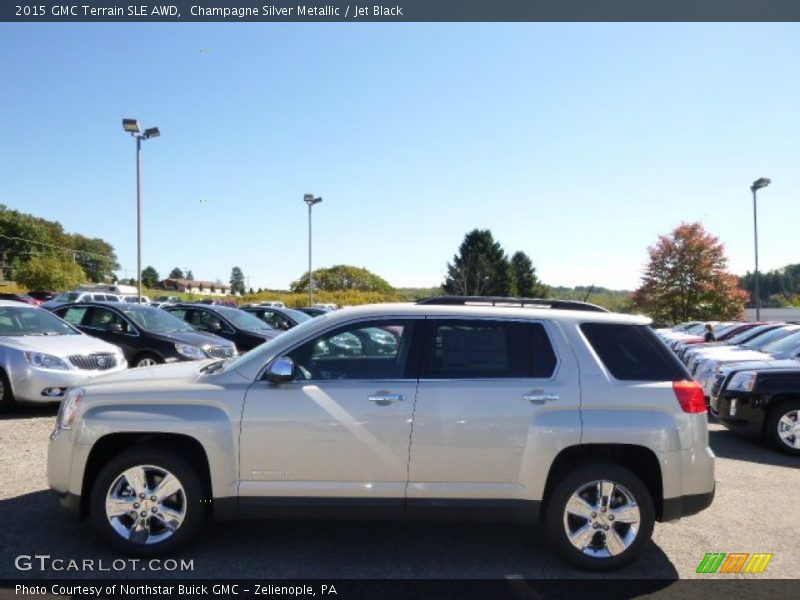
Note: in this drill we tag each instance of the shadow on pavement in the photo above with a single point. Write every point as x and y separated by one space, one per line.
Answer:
748 446
30 411
34 524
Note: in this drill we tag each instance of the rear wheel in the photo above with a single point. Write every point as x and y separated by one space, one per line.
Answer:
600 516
146 502
782 426
6 395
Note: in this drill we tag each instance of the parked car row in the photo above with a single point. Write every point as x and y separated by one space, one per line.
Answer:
85 334
750 376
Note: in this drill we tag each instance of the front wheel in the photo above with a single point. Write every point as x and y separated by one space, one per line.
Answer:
6 396
147 360
599 517
146 502
782 426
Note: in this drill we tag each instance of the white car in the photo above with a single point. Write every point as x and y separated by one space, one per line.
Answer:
41 355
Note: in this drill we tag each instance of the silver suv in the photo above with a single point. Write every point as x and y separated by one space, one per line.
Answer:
517 409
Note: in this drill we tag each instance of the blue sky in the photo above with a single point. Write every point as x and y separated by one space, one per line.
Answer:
576 143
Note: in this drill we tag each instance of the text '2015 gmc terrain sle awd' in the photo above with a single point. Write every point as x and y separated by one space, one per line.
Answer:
553 411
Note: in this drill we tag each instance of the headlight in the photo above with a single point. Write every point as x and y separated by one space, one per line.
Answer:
69 406
45 361
191 352
743 381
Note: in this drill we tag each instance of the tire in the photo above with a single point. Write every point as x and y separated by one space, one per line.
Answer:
182 508
147 360
629 494
7 402
782 426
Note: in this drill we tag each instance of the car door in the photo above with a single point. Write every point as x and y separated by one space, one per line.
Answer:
112 328
341 430
494 397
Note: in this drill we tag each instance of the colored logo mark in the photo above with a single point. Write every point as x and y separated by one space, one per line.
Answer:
734 562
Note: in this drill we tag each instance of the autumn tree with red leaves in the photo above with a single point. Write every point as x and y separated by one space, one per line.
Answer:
687 280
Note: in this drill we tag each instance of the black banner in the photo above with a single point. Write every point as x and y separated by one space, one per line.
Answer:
593 586
398 11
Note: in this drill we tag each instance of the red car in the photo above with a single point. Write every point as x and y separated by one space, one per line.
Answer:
20 298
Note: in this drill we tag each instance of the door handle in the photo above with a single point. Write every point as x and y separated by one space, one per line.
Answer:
384 398
539 397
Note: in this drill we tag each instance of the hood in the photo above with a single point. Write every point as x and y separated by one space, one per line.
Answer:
195 338
58 345
761 364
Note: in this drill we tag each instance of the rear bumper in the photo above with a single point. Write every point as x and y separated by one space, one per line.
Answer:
684 506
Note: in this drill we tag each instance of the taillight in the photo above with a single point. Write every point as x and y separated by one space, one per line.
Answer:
690 396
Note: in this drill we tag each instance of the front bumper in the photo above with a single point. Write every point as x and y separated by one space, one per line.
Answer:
748 414
29 384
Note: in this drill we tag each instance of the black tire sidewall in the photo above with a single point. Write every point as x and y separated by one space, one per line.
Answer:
771 425
156 457
7 402
563 490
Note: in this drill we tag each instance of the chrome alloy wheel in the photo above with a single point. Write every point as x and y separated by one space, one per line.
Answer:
146 362
601 519
789 429
146 504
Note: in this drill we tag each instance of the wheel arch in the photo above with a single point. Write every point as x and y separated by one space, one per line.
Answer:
111 445
639 459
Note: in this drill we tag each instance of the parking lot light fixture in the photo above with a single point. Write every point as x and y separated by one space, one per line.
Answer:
132 126
762 182
310 200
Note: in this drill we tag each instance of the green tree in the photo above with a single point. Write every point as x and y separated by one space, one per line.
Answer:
342 277
50 272
95 256
237 281
189 275
524 282
150 277
480 268
686 279
176 273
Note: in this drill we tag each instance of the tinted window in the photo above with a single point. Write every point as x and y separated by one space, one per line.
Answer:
369 351
101 318
490 349
73 316
633 352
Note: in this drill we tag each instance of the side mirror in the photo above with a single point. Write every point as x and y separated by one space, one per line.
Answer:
114 328
281 370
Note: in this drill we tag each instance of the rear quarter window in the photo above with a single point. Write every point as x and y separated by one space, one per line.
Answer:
633 352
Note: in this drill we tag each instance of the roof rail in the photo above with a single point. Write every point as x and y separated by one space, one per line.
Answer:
509 301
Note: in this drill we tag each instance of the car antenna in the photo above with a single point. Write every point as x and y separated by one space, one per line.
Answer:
589 293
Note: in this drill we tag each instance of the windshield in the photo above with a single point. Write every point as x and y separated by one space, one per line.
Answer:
790 342
262 351
22 321
769 337
241 319
747 334
156 320
298 316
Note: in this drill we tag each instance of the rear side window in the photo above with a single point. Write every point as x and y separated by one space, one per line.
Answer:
489 349
633 352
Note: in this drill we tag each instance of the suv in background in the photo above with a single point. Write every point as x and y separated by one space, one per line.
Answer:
538 411
71 297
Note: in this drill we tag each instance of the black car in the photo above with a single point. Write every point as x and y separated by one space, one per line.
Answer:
147 335
762 400
278 318
312 312
243 329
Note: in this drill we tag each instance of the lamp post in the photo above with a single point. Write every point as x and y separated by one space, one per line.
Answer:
311 201
132 126
757 185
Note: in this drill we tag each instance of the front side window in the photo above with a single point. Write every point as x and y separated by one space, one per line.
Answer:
73 315
369 351
477 349
103 319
